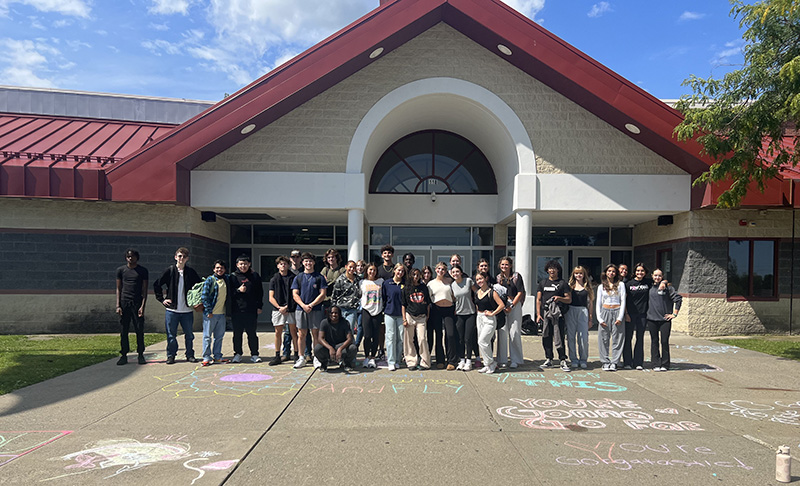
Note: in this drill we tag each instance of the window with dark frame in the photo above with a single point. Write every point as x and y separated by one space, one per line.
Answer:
752 268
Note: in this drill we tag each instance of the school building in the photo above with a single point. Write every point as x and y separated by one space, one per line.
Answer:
439 126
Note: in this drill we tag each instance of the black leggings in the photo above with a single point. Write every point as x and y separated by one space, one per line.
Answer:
633 353
371 325
446 316
435 326
468 331
659 329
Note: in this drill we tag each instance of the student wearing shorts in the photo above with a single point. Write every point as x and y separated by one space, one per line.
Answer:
283 307
308 291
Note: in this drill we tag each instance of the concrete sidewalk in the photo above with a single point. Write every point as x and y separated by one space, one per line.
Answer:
718 416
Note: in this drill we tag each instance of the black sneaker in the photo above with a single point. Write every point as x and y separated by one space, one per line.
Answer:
142 360
191 360
170 359
275 361
122 360
323 366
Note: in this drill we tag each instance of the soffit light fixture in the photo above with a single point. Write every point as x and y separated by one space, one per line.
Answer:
632 128
505 50
377 52
249 128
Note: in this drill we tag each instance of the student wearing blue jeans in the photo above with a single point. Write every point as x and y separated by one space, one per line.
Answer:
178 279
214 298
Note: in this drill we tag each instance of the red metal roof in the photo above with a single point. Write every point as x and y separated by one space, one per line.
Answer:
51 156
488 22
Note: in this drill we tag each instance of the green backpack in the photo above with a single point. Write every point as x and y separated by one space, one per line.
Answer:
195 294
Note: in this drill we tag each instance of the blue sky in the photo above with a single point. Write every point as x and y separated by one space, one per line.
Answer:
202 49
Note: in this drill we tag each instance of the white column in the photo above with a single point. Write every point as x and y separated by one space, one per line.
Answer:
355 234
522 262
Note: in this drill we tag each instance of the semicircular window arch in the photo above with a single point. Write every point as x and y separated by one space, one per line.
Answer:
433 161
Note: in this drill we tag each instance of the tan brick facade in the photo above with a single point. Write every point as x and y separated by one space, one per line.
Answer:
316 136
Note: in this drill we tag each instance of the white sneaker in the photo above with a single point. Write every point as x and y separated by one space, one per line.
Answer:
605 366
255 359
612 367
639 368
301 361
317 363
467 365
460 366
484 369
366 363
237 358
491 368
564 365
392 367
372 363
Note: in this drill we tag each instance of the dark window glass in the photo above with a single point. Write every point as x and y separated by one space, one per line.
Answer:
621 236
379 235
433 161
341 236
512 236
437 236
557 236
483 236
292 235
763 268
619 257
241 234
751 268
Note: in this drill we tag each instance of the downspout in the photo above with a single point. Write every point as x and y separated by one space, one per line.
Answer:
791 268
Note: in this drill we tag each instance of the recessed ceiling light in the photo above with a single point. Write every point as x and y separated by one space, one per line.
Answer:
377 52
632 128
249 128
552 232
505 50
304 229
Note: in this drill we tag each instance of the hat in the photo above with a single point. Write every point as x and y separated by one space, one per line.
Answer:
295 253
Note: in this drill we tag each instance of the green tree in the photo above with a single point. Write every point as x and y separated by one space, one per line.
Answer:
744 120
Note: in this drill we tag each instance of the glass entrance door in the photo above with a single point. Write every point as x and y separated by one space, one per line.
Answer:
593 261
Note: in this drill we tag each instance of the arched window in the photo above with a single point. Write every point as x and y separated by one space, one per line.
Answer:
433 161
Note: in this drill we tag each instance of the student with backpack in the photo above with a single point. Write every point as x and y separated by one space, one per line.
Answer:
214 298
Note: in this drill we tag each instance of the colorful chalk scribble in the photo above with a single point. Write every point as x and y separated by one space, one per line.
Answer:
14 444
118 456
235 381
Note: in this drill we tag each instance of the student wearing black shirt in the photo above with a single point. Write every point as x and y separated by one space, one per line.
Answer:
553 289
335 341
579 317
131 296
637 294
283 307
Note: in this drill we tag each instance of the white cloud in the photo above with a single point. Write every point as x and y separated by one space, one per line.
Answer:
730 50
62 23
169 7
159 27
24 62
687 15
599 9
75 8
528 8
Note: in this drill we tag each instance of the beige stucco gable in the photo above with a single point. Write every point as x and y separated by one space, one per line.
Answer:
566 138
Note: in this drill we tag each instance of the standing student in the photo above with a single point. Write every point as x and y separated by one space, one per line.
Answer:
131 280
295 268
335 341
443 318
215 297
408 261
483 266
488 305
611 316
552 300
427 274
663 307
331 271
623 272
346 295
283 308
361 269
509 338
579 317
466 329
247 302
386 272
308 291
637 293
416 308
392 295
371 313
178 279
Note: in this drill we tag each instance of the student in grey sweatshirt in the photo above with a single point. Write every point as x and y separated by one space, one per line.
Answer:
663 306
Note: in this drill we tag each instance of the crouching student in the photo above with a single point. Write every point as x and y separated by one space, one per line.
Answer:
335 341
214 298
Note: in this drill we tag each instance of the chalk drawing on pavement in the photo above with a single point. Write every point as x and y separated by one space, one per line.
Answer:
709 349
15 444
581 414
779 412
113 457
234 381
628 456
585 381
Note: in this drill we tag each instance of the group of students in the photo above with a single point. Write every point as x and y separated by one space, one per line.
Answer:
406 314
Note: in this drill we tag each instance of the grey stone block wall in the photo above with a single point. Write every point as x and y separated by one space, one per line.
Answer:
699 266
58 261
